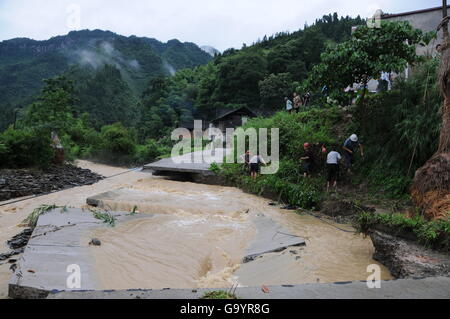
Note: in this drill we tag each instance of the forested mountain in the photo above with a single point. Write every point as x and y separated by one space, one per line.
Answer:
257 76
24 63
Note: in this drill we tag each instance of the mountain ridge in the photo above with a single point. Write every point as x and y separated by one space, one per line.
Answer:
25 62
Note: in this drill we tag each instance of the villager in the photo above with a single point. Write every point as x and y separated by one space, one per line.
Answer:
255 165
58 148
297 102
333 160
306 99
308 160
246 158
289 106
350 147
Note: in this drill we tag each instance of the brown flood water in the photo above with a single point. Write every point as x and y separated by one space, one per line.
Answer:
199 234
197 237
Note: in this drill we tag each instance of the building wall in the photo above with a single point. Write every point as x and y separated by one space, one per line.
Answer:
425 21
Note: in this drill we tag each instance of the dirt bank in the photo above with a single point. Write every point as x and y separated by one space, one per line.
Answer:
407 259
25 182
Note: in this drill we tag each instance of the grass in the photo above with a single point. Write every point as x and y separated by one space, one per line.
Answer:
219 295
434 234
106 217
33 218
134 211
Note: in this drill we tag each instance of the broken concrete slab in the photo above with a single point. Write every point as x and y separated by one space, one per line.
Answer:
58 241
97 200
270 238
428 288
190 163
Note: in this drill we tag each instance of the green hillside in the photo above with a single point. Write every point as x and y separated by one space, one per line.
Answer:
24 63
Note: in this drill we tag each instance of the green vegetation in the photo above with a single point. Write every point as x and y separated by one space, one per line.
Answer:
133 212
315 127
434 234
365 55
403 131
219 295
117 104
32 220
106 217
102 63
24 148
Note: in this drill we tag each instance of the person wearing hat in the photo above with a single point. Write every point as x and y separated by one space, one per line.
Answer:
308 160
350 147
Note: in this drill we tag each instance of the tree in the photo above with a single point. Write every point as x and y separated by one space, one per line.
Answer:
53 109
274 88
365 55
431 186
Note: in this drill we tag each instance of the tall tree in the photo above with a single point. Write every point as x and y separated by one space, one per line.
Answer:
431 186
53 111
369 52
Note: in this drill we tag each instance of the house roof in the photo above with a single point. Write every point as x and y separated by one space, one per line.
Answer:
388 16
228 113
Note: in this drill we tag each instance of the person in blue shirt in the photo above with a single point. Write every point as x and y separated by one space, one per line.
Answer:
350 147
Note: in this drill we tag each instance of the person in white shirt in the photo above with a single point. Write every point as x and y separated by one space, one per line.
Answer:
333 160
255 163
289 105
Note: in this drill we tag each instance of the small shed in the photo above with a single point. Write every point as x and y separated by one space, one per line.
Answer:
233 118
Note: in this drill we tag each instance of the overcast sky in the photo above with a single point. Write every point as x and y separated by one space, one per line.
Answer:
219 23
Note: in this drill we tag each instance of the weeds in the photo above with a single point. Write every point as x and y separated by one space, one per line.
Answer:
429 233
33 218
134 211
106 217
219 295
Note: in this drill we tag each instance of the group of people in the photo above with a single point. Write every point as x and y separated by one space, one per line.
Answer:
333 160
297 102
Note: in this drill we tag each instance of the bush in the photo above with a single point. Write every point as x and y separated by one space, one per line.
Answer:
115 145
403 131
150 152
25 148
304 193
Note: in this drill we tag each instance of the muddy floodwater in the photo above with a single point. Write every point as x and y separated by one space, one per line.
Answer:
198 236
195 236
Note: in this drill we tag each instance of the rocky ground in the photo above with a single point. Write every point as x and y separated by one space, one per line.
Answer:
402 255
407 259
25 182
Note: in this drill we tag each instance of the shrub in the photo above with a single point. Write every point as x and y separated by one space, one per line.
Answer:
115 145
25 148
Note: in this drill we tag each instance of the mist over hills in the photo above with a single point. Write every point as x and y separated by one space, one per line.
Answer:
24 62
